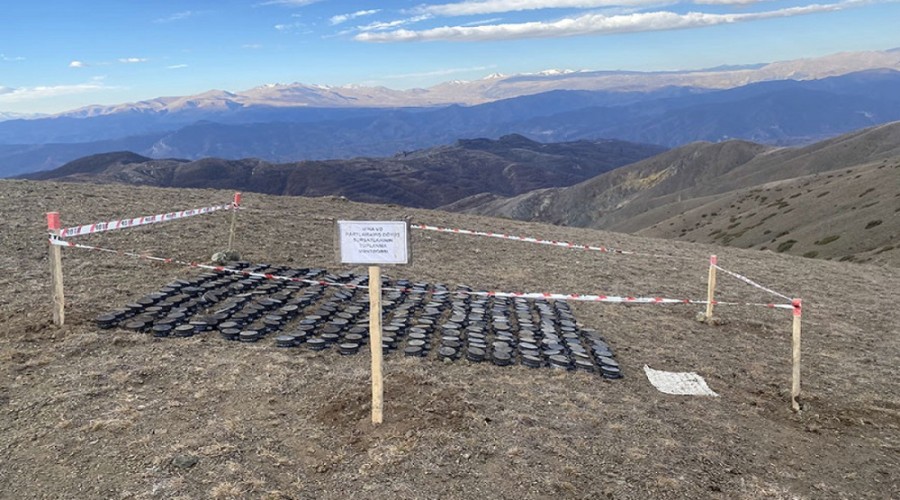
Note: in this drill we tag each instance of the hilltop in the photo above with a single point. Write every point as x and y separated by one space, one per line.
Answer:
111 413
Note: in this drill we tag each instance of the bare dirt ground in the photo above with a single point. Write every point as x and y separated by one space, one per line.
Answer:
89 413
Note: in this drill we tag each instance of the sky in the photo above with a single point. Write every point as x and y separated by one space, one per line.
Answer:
58 55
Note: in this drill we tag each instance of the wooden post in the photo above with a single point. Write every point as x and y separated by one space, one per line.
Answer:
710 292
56 273
375 343
234 210
795 344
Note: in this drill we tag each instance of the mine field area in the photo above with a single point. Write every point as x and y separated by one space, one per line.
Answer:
148 392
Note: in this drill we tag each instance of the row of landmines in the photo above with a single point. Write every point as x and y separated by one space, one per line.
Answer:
424 319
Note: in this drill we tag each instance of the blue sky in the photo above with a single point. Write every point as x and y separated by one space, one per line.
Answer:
58 55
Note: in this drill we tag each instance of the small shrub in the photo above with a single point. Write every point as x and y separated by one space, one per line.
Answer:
811 255
885 249
828 239
767 231
867 191
823 193
873 223
784 246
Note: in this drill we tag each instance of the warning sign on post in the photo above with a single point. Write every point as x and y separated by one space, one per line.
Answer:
373 242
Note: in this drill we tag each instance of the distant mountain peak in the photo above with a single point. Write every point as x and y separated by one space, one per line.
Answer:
498 86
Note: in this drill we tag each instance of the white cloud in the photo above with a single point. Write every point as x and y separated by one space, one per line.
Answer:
592 24
77 64
252 46
6 58
288 26
473 7
481 22
728 2
178 16
383 25
10 95
342 18
177 66
132 60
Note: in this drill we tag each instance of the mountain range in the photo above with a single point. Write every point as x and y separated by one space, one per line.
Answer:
835 199
497 86
426 178
812 100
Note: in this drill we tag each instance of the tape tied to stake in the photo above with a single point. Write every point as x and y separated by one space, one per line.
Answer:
750 282
112 225
797 305
529 239
525 295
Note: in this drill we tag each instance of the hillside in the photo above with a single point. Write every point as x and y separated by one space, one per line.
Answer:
739 193
426 178
90 413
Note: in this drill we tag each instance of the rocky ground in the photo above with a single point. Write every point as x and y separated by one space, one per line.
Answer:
89 413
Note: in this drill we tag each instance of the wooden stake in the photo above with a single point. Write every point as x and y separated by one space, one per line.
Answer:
710 292
234 211
795 344
56 273
375 343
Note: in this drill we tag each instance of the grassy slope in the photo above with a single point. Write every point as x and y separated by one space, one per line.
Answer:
677 193
851 214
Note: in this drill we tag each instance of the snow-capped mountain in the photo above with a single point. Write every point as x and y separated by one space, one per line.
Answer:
498 86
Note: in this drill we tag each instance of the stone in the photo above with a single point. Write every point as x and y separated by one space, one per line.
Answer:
185 461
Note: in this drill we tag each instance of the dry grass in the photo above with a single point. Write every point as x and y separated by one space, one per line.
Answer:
102 414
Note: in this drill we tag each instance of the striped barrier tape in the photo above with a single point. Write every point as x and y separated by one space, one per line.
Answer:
141 221
539 241
523 295
751 282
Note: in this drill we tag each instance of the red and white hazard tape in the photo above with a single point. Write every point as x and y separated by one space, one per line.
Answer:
538 241
751 282
141 221
523 295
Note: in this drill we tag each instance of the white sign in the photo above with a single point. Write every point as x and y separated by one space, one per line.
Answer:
373 242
